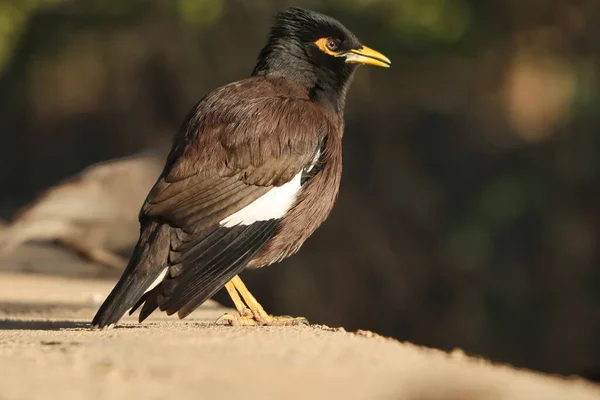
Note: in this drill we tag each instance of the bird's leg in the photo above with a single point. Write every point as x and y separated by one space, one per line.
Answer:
258 312
258 315
237 301
245 317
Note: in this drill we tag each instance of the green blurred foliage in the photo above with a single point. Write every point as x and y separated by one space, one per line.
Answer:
200 13
14 16
468 214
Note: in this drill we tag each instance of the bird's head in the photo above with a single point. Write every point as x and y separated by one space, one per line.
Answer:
316 51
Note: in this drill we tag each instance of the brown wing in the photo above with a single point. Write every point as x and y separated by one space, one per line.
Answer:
235 147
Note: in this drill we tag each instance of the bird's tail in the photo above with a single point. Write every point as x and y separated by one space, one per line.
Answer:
148 261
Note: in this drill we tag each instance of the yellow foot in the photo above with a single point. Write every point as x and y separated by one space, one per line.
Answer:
250 311
246 320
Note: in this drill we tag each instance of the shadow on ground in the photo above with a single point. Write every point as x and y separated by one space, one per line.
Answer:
40 325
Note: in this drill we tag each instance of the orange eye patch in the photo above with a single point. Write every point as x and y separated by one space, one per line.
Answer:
328 46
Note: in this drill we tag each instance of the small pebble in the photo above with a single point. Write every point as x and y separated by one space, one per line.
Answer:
365 333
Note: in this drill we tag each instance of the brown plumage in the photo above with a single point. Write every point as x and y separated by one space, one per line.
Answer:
254 170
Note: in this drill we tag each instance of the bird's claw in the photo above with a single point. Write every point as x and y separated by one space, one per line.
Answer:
232 320
245 320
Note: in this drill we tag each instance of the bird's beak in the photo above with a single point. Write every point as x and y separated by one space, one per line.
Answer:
365 55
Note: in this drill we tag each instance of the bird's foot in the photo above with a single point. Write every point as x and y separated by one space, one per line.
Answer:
251 313
260 320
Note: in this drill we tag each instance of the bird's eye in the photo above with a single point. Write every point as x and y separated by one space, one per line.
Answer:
332 44
328 45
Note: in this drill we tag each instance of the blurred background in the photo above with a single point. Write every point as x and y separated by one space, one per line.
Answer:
469 212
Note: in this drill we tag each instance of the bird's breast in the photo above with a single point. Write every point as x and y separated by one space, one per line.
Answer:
312 206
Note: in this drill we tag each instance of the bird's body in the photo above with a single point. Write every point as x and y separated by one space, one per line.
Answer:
303 140
254 170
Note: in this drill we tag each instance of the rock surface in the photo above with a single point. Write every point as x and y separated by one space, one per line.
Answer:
48 351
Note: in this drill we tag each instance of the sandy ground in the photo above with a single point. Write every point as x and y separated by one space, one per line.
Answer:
48 352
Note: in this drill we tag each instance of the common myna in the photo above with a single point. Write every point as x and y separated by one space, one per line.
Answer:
93 212
253 171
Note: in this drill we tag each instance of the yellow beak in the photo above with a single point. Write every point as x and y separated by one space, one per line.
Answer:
368 56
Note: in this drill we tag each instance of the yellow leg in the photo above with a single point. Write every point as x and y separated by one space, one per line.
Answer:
254 313
237 301
257 310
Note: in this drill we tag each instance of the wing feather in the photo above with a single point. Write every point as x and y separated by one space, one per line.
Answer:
238 143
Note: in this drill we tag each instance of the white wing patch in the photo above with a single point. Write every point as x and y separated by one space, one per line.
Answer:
272 205
313 162
157 280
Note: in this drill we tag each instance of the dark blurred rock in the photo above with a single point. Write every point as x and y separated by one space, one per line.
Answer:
94 212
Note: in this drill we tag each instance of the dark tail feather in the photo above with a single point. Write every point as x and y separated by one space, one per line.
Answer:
218 267
149 259
207 266
149 307
148 299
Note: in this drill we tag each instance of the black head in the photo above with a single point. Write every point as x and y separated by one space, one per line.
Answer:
316 51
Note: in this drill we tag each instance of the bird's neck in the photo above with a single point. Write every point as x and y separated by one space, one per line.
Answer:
331 93
324 86
280 58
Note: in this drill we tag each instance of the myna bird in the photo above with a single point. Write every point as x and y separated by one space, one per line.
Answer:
254 170
93 212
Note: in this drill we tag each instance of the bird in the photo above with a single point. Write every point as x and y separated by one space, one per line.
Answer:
253 171
93 212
